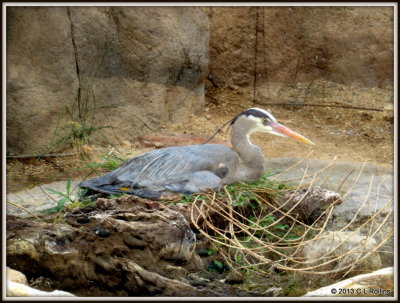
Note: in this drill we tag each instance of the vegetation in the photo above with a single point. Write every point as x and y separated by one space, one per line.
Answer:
248 227
66 197
109 162
80 127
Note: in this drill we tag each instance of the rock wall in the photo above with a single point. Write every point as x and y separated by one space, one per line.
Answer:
41 74
138 67
351 45
132 69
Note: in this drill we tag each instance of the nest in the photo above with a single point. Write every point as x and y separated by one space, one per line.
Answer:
276 236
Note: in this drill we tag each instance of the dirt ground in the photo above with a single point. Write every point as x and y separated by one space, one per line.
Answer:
338 131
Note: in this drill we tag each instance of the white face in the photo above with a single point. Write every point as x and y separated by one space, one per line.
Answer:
262 125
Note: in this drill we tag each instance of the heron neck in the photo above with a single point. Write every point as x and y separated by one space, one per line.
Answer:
249 153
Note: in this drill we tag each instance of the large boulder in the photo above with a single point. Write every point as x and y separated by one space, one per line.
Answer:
131 68
342 252
125 246
41 74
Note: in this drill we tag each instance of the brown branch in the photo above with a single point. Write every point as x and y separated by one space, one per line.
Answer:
41 156
326 105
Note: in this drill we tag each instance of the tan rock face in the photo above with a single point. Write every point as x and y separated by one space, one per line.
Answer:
139 67
41 74
352 45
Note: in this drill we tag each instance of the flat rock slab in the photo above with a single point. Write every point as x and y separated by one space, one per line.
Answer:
37 198
365 189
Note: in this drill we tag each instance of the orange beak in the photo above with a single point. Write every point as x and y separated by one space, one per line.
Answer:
282 130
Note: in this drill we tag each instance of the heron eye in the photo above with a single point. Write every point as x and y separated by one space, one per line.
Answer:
265 121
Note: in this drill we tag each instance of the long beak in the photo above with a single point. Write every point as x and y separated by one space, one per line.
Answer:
282 130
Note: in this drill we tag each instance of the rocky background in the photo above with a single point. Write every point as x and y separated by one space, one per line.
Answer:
351 45
132 69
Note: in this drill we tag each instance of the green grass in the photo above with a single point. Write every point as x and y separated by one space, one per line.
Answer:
109 162
245 193
73 202
81 127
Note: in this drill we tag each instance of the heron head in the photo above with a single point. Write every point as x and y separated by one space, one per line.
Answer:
260 120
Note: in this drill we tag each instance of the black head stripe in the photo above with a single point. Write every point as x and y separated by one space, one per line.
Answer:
255 112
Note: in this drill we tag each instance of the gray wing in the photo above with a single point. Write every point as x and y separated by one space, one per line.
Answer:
196 182
157 167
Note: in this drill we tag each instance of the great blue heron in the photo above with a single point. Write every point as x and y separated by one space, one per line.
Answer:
196 168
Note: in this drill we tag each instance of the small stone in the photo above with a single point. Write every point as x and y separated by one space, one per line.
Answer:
102 232
87 148
158 145
16 276
350 132
273 292
234 278
126 143
208 117
195 280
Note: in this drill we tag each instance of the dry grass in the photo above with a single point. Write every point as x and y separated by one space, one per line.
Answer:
249 245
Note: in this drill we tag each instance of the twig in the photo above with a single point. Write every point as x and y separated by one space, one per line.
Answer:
324 105
41 156
276 250
25 209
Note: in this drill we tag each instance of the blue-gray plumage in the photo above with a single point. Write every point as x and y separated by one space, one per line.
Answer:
195 168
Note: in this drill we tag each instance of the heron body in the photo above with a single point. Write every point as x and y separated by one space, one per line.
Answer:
195 168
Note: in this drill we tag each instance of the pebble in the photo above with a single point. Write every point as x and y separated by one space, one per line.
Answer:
158 145
16 276
102 232
126 143
233 87
208 117
350 132
273 291
234 278
87 148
